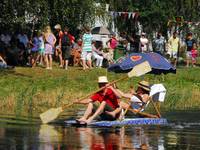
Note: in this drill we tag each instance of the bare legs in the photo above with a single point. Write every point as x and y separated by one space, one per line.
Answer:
58 53
60 59
89 63
66 64
123 105
88 117
175 62
41 59
48 60
87 113
187 62
86 59
84 64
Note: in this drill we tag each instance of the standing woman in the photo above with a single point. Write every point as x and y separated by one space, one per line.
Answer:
87 49
50 41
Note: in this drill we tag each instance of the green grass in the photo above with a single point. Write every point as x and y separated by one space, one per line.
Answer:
28 92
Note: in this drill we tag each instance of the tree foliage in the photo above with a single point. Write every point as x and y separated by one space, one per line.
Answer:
20 13
154 14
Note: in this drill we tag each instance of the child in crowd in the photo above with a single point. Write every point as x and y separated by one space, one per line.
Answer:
50 41
34 50
87 49
112 44
194 53
41 48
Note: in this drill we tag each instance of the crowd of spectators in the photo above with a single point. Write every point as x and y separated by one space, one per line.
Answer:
43 47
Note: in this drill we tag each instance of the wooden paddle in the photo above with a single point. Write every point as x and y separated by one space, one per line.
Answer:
143 113
137 112
53 113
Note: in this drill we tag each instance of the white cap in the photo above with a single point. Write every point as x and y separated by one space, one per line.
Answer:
58 26
102 79
143 33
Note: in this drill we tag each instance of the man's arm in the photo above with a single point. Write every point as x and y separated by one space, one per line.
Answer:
1 59
85 101
54 40
120 94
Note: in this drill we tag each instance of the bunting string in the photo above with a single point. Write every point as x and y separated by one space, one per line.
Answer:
125 15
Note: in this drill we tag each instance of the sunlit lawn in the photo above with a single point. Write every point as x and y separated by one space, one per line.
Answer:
30 91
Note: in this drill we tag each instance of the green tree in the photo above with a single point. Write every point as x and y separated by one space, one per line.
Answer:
154 14
20 13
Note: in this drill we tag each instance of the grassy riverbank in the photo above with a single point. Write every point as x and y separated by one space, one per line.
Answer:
27 91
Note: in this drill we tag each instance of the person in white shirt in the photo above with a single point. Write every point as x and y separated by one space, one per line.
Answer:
174 43
144 42
97 54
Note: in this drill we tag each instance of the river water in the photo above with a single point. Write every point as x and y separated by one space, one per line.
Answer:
182 133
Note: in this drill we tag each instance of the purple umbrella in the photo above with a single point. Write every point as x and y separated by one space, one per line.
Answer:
158 63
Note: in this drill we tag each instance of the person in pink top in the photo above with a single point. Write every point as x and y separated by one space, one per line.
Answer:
112 44
50 41
194 53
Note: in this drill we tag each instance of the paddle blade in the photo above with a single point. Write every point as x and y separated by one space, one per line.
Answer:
50 114
140 69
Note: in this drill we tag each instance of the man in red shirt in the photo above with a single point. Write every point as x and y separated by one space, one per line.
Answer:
100 103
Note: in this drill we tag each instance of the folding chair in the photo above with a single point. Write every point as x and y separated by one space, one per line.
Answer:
157 94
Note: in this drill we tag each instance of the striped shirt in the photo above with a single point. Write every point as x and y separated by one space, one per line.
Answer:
87 42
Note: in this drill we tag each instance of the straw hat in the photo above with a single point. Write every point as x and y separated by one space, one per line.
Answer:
102 79
144 85
58 26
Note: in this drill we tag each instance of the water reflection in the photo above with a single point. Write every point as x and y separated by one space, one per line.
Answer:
49 137
100 140
92 138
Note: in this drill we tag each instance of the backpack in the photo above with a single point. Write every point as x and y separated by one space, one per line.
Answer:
65 41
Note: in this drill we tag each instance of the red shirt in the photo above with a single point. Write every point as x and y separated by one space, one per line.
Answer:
113 43
194 53
71 38
109 97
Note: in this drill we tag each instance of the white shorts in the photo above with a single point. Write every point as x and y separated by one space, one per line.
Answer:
86 55
173 54
188 55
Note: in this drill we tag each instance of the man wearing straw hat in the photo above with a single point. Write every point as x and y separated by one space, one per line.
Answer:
137 99
100 104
